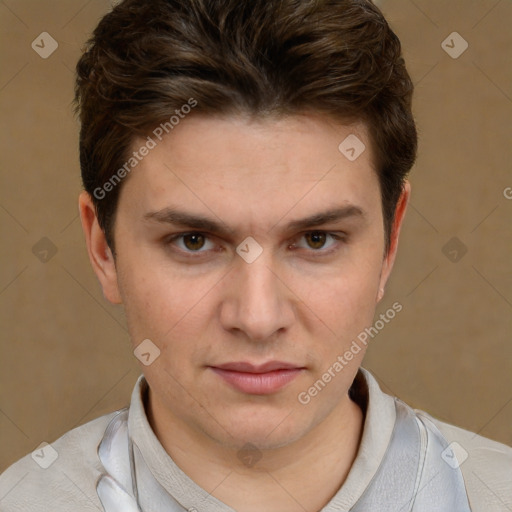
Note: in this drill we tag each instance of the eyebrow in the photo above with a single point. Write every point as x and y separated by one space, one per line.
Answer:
202 223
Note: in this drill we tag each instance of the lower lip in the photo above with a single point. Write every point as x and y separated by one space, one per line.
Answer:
258 383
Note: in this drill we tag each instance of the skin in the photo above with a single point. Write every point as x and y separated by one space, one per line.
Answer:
296 302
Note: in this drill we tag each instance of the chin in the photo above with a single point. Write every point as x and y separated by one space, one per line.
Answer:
265 431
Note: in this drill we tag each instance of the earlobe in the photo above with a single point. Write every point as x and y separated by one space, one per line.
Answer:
389 259
100 254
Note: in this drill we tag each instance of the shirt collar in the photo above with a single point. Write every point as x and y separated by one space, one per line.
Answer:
378 426
380 417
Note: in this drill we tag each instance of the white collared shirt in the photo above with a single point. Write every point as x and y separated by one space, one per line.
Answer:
69 482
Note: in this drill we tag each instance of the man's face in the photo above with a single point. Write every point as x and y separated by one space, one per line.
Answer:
295 308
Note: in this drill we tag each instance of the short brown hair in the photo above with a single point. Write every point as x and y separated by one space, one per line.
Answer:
148 58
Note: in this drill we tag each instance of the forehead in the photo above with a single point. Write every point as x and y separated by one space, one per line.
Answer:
241 142
255 168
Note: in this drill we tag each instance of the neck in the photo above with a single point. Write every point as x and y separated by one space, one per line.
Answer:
303 475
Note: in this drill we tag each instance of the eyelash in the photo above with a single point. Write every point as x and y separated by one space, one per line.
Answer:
315 252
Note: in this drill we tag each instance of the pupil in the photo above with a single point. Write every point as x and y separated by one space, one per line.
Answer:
317 239
196 241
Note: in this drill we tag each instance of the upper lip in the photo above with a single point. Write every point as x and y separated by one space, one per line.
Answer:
253 368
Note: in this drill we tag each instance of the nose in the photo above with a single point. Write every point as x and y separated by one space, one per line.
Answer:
257 301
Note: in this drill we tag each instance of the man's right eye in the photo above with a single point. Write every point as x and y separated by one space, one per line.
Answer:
190 242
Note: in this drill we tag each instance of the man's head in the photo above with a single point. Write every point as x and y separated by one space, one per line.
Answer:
149 61
264 147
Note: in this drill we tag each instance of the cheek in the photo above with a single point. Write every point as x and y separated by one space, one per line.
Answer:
346 291
171 313
161 303
352 309
344 305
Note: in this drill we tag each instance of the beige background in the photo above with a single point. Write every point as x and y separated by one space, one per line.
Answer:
65 356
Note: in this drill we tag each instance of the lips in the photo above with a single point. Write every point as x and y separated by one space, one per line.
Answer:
262 379
269 366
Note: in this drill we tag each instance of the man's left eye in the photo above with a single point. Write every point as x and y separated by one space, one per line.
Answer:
317 240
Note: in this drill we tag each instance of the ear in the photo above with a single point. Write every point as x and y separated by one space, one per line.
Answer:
389 259
100 255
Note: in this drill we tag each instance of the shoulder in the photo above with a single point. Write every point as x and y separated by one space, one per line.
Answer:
57 475
486 465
